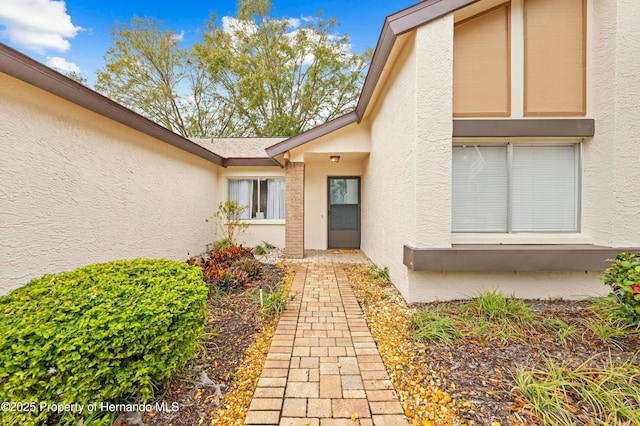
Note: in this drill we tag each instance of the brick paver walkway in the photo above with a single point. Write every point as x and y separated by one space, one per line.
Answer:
323 367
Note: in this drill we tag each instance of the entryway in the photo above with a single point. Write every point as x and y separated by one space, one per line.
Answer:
344 212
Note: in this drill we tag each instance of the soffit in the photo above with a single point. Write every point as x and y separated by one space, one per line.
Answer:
387 72
476 8
238 147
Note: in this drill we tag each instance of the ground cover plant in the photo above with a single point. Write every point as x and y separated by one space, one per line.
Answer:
496 360
109 332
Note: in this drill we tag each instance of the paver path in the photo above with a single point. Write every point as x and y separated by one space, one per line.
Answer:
323 367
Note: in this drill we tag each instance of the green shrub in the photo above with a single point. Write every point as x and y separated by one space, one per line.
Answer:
102 333
259 249
623 276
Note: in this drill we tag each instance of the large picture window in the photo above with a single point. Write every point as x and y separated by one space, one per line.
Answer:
515 187
265 197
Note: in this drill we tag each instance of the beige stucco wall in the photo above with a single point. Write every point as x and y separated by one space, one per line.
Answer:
431 286
259 231
410 134
389 184
611 182
76 188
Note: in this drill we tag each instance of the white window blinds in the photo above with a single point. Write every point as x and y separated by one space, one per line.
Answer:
479 188
544 188
515 188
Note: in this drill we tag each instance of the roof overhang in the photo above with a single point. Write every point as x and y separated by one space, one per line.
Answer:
22 67
394 26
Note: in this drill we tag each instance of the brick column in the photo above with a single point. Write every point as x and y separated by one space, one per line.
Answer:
294 208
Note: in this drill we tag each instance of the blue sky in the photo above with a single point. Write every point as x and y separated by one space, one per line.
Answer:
74 35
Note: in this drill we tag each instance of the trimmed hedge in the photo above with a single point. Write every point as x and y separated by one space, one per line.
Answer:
102 333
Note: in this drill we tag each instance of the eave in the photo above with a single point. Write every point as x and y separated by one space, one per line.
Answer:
22 67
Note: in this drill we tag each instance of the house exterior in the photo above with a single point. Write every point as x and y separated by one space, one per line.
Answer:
492 147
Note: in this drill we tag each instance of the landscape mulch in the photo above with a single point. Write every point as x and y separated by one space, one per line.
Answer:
471 382
466 383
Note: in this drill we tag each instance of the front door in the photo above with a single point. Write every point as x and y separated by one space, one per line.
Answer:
344 212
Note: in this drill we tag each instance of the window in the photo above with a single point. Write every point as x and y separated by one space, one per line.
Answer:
515 187
265 197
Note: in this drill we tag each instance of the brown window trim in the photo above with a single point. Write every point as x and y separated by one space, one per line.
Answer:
534 128
508 257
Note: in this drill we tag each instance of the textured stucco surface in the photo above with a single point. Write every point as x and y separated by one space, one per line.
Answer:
434 74
611 182
76 188
610 176
432 286
389 183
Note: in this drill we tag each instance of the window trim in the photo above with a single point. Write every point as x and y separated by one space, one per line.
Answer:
255 220
578 162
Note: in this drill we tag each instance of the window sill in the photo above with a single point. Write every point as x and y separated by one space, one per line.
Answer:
264 221
512 257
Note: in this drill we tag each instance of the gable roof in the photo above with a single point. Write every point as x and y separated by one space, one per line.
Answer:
22 67
394 26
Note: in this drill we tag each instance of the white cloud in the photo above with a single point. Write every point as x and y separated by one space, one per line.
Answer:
293 22
37 25
231 24
62 65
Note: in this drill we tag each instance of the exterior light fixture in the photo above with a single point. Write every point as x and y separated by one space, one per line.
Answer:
335 158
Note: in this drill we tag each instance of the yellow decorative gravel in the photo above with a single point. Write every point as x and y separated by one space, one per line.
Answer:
423 393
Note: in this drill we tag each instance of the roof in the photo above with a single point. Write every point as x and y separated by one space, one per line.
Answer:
241 151
224 151
394 26
238 147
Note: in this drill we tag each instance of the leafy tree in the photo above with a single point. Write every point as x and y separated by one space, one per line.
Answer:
254 76
279 78
73 75
148 72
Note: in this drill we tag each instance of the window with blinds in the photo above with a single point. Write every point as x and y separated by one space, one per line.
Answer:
515 187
